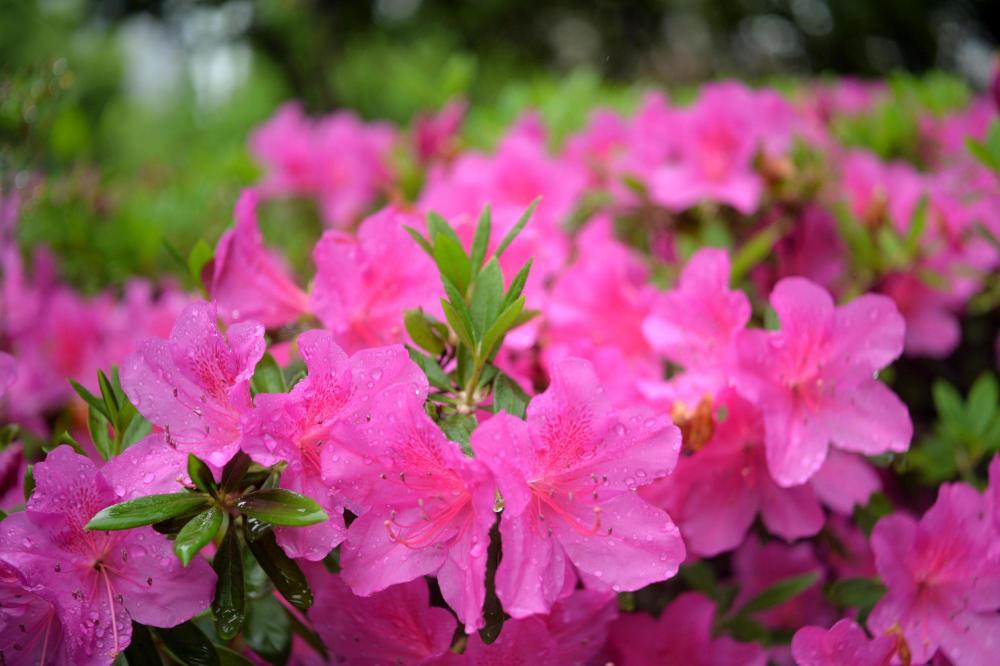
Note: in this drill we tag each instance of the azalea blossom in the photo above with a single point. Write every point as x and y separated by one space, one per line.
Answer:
844 644
568 477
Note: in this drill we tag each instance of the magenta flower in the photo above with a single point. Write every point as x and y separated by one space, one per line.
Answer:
196 384
435 136
568 477
813 379
8 372
365 282
431 507
844 644
681 635
395 626
30 629
715 494
247 282
942 574
297 427
98 582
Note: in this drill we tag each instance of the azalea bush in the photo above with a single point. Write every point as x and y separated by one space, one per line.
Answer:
706 381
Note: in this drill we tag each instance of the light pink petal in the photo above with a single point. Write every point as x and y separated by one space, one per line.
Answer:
504 445
68 492
462 576
968 638
397 625
892 541
791 513
8 372
797 444
375 370
635 545
867 336
844 644
157 589
845 481
247 282
372 560
742 191
868 418
805 309
932 331
531 573
148 467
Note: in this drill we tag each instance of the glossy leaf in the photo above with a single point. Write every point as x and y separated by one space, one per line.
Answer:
281 507
228 607
146 511
200 474
283 571
188 645
268 377
197 533
267 630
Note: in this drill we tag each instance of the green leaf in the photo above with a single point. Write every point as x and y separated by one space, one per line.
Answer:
229 657
861 593
146 511
29 482
866 516
69 440
481 241
452 261
233 472
283 572
98 427
229 605
487 297
108 395
458 428
754 251
91 399
517 284
421 332
281 507
458 323
981 406
947 401
918 224
268 631
267 376
435 375
516 229
200 255
421 241
779 593
137 428
9 432
196 534
509 397
188 645
200 474
504 322
493 614
141 649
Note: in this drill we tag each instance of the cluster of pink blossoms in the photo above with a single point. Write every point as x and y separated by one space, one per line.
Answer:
668 398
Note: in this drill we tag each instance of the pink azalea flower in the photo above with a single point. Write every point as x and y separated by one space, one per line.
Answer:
599 145
431 507
681 635
717 141
876 190
151 466
695 325
715 494
932 327
395 626
847 552
30 629
435 135
365 282
12 468
813 379
296 427
812 249
844 644
196 384
98 582
568 477
8 372
247 282
942 574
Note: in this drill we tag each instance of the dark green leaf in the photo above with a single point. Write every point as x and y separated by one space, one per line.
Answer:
267 376
435 375
481 241
458 324
29 482
233 472
267 630
509 397
947 401
146 511
137 428
493 614
283 572
855 592
229 657
981 406
516 229
188 645
196 534
503 323
69 440
228 607
200 474
10 431
91 399
458 428
755 250
746 629
99 435
281 507
779 593
142 650
421 332
487 296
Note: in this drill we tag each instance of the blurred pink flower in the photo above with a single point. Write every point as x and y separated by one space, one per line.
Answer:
844 644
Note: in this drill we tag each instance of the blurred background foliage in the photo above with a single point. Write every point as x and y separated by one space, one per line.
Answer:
124 122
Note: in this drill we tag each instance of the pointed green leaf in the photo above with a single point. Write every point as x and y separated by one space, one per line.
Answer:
452 261
188 645
200 474
228 607
779 593
91 399
201 254
279 506
481 241
421 332
99 435
108 396
509 397
487 297
981 406
267 376
196 534
458 323
233 472
855 592
517 284
146 510
435 375
29 482
137 428
503 323
421 241
69 440
267 630
516 229
283 571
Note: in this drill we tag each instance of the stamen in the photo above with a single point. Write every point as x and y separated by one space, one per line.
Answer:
111 607
45 641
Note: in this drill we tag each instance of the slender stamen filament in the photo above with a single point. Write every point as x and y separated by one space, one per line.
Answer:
424 531
111 608
45 641
571 520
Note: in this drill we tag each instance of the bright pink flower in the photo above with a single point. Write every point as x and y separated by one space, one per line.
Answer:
435 135
715 494
813 379
943 579
876 190
99 582
431 507
296 427
844 644
247 281
597 147
568 477
365 282
395 626
847 551
932 327
812 249
196 384
30 629
681 635
8 372
151 466
717 141
696 323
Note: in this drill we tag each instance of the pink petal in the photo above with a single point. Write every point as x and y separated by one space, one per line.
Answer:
844 644
372 560
845 481
504 445
868 418
636 544
806 311
462 576
8 372
148 467
29 625
867 336
797 444
531 573
312 542
967 638
791 513
572 415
